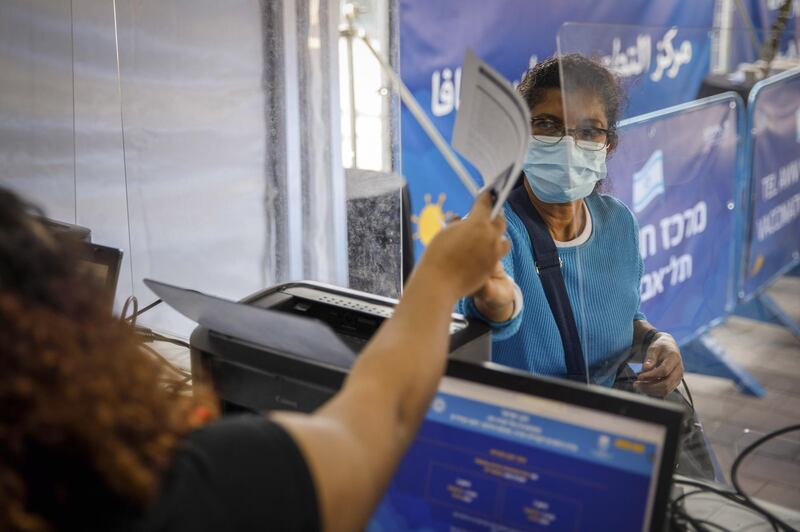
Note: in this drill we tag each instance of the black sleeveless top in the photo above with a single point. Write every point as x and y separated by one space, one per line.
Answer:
238 473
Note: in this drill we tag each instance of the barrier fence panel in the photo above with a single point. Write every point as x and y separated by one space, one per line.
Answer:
773 243
677 171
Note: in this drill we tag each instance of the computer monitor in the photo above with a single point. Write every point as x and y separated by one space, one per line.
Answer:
101 262
103 265
500 450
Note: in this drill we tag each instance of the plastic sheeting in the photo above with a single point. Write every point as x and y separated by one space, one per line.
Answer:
200 137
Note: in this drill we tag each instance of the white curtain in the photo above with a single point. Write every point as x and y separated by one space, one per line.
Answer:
196 135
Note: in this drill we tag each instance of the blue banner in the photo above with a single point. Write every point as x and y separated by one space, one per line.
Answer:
677 171
511 35
773 245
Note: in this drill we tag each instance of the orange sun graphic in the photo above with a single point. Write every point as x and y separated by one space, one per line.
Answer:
432 218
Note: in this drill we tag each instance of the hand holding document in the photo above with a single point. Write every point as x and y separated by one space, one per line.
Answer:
491 128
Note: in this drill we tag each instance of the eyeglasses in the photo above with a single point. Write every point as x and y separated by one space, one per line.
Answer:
587 138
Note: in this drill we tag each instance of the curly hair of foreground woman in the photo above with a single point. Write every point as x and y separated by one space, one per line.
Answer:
86 425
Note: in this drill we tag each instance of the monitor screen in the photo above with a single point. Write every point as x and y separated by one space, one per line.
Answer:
487 458
102 263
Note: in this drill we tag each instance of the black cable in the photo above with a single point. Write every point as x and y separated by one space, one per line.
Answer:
711 524
687 494
138 313
149 335
132 301
702 488
697 524
738 462
739 496
729 495
688 393
701 525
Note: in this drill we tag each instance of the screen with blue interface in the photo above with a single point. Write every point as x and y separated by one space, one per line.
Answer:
492 459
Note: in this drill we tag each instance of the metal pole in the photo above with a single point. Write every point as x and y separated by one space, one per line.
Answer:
427 126
348 33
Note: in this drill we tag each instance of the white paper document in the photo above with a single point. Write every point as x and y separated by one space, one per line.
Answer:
277 331
492 126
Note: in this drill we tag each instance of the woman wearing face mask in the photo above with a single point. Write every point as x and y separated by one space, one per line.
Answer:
596 237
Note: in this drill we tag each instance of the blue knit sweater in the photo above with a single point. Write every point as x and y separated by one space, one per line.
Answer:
602 276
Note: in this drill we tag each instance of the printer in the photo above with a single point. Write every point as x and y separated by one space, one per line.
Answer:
250 377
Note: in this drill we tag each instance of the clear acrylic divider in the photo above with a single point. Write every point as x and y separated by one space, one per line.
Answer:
196 137
649 125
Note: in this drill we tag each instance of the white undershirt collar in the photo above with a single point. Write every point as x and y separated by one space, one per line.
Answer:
585 234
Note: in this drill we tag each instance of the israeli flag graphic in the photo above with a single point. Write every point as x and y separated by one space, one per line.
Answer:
648 182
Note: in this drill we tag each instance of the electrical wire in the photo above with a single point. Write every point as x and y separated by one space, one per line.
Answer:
706 522
169 365
149 335
182 382
130 301
681 525
699 525
157 337
136 313
739 496
688 393
729 495
738 462
700 490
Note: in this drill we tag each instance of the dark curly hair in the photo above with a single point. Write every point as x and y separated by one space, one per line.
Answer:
86 425
581 73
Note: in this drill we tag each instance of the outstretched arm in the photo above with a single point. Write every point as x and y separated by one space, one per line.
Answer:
354 443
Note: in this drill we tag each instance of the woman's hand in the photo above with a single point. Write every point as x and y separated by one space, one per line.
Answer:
465 253
354 442
495 299
662 369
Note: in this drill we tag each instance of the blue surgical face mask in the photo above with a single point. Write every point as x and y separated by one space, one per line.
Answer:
563 172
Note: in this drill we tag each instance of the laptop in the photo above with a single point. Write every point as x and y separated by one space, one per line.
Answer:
502 450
